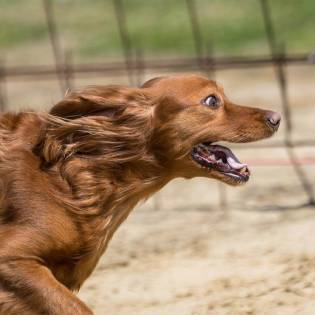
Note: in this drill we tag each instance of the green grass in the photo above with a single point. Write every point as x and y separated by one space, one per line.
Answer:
158 27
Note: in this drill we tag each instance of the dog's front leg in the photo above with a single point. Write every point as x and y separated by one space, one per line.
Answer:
33 286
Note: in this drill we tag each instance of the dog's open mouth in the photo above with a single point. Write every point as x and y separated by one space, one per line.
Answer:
220 159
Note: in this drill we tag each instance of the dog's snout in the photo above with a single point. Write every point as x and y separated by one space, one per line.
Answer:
273 119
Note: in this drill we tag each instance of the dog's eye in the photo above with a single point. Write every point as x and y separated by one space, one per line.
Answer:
212 101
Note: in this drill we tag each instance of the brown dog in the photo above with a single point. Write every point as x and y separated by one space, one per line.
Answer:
69 179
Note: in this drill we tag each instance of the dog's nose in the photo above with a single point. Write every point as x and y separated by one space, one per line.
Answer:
273 119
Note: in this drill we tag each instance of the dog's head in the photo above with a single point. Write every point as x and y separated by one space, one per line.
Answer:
192 115
178 120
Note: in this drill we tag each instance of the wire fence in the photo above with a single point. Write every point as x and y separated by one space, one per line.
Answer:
134 66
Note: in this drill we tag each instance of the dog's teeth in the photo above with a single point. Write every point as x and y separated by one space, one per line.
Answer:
220 161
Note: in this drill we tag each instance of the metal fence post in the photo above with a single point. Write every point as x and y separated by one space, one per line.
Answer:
124 37
3 91
55 43
278 54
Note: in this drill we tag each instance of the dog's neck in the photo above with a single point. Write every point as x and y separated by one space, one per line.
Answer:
110 195
107 200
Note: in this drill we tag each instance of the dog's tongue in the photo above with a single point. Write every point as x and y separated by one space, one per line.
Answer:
235 164
232 160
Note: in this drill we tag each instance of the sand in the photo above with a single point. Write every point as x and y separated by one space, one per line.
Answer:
205 262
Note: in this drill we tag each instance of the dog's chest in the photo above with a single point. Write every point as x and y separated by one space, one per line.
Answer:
85 267
73 274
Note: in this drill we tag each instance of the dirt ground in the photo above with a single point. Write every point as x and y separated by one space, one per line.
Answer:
196 262
179 254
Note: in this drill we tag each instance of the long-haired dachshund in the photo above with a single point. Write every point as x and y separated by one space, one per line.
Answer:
71 177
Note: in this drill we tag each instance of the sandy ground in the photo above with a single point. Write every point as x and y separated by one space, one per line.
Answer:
198 262
180 254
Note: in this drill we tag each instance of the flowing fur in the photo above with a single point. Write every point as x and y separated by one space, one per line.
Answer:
70 177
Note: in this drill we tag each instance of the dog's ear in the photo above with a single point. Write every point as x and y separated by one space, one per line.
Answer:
151 82
100 101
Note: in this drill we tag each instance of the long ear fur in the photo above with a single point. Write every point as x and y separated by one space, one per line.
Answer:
150 82
118 138
95 101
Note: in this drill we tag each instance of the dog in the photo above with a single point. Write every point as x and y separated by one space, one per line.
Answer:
70 177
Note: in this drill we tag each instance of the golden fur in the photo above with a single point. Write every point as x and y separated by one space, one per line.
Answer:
71 177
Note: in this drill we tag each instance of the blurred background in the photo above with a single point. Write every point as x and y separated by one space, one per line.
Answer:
196 247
